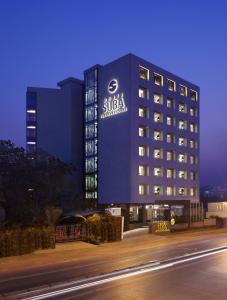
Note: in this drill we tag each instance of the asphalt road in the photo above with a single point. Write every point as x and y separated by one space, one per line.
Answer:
201 279
46 277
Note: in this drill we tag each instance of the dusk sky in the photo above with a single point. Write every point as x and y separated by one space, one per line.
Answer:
43 42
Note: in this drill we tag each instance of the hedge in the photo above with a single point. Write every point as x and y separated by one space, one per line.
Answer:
23 241
101 229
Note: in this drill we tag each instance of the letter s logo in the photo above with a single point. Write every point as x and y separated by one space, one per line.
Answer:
113 86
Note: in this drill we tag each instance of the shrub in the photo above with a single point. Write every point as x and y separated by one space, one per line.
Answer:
22 241
103 229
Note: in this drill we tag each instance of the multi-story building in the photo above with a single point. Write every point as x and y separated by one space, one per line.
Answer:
141 138
54 123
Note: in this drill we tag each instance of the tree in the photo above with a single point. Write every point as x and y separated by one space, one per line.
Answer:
30 186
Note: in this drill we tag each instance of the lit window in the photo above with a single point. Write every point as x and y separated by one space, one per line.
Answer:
192 144
169 190
143 112
157 135
182 191
143 170
170 155
31 115
169 120
143 151
183 90
170 103
182 124
157 190
193 175
157 117
170 173
193 112
171 85
158 98
182 141
169 138
182 107
143 73
31 143
182 174
182 158
158 171
143 131
158 153
143 93
192 192
158 79
193 127
192 159
143 189
193 95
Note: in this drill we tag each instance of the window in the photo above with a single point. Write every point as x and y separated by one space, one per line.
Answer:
183 90
192 159
91 131
158 153
169 138
143 151
182 174
170 173
182 158
193 192
182 124
91 147
193 127
182 141
158 171
157 135
169 190
91 113
171 85
143 73
143 112
31 115
157 117
193 175
192 144
31 131
169 120
182 107
158 79
143 93
143 189
193 95
157 190
193 112
158 98
170 103
143 170
182 191
170 155
143 131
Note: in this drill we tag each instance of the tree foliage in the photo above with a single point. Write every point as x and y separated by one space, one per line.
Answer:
30 187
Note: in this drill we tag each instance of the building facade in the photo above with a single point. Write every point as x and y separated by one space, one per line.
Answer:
140 138
54 123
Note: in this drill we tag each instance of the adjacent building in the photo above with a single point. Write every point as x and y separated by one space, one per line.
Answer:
140 136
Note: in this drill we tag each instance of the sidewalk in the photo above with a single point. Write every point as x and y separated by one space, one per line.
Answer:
81 251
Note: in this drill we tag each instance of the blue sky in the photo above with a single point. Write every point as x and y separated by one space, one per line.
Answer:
42 42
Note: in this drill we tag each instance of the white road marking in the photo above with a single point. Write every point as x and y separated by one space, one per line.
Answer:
117 275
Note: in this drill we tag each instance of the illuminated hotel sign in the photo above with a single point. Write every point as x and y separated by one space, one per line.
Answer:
115 103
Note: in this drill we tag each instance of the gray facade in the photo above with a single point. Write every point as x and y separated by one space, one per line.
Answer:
55 123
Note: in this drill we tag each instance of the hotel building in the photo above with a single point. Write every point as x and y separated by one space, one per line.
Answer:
140 136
